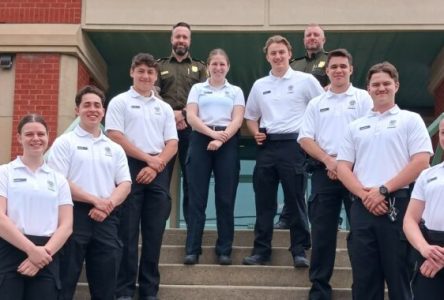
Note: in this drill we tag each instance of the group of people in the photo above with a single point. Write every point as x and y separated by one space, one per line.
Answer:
99 190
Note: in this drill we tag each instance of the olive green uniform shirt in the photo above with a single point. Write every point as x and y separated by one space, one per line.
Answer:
315 65
176 79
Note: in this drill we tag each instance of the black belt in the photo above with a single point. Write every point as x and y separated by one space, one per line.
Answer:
217 128
402 193
282 136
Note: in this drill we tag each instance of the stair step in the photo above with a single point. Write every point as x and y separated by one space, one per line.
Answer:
205 292
242 237
280 256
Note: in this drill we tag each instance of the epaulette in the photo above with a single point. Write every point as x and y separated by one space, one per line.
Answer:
297 58
163 58
198 60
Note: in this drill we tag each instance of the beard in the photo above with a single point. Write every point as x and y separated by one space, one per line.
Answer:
180 50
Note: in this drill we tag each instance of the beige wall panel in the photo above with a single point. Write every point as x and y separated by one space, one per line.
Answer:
355 13
7 86
166 13
67 91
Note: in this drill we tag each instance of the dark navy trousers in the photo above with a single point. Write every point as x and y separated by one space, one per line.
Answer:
200 164
280 162
147 207
324 207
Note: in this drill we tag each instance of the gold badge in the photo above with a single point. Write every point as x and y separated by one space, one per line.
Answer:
194 69
321 64
164 72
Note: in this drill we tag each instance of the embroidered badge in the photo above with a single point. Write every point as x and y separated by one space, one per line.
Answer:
51 185
352 104
108 151
290 89
157 110
392 124
432 179
82 148
364 127
321 64
19 179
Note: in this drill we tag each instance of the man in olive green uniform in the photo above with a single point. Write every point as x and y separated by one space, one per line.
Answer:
314 62
178 73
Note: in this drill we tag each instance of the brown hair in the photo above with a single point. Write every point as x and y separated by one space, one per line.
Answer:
31 118
89 89
279 39
217 51
144 59
384 67
340 53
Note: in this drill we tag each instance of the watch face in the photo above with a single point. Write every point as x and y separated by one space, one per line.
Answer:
383 190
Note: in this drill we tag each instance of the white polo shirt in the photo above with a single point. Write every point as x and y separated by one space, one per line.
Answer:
280 102
33 198
147 122
96 164
429 187
328 115
216 104
381 145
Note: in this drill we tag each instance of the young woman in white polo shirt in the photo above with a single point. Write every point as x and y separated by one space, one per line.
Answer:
35 218
215 110
424 228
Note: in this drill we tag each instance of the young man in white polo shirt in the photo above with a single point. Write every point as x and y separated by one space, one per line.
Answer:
380 157
145 127
99 179
274 113
324 123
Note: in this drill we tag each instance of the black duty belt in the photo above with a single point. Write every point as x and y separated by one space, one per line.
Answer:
282 136
217 128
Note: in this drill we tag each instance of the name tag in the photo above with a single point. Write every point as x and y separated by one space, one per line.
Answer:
208 92
164 72
431 179
266 92
324 109
82 148
364 127
19 179
135 106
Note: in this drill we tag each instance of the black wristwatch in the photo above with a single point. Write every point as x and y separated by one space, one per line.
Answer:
384 191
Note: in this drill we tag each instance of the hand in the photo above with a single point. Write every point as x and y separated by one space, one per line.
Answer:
156 163
260 137
330 163
27 268
332 175
375 202
220 136
214 145
181 125
178 116
429 268
97 214
433 252
146 175
104 205
39 256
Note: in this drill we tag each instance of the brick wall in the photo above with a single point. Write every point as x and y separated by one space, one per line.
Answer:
36 91
41 11
84 77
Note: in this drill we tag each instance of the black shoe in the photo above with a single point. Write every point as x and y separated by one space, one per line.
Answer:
224 260
281 224
191 259
300 261
255 259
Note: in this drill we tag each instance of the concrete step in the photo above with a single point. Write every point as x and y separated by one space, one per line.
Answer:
203 274
206 292
280 256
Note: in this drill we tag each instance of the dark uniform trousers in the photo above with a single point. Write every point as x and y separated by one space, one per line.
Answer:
96 243
379 250
13 286
147 207
425 288
324 207
280 161
184 141
225 165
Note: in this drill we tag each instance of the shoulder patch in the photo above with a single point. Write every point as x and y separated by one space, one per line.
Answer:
198 60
